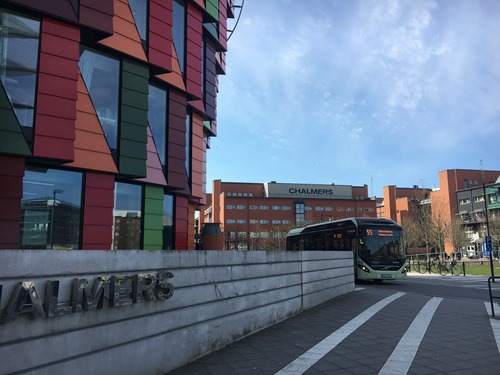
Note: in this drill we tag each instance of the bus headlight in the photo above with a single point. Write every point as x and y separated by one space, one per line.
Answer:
364 268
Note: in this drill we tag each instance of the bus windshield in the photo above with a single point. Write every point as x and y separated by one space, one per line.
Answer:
381 247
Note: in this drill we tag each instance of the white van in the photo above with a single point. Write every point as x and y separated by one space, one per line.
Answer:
471 252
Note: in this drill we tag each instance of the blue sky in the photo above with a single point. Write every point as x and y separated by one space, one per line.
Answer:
375 92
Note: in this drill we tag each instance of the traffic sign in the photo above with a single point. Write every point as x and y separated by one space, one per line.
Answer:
487 239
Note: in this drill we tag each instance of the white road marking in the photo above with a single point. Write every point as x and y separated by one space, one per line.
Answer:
401 358
495 323
313 355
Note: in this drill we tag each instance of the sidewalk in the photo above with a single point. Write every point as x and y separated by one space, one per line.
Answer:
370 331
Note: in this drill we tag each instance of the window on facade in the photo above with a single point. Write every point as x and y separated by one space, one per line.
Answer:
179 32
276 208
254 221
241 221
241 207
19 39
276 221
230 207
264 207
50 209
264 221
230 221
157 118
319 208
127 217
102 78
168 222
253 207
139 10
479 199
299 212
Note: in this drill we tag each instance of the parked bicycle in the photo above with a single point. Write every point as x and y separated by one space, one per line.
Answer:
454 268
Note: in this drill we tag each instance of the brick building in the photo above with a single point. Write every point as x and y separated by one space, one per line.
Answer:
399 203
107 108
258 215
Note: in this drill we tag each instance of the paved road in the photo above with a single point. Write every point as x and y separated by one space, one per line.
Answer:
428 324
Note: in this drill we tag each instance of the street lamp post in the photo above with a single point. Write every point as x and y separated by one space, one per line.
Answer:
56 191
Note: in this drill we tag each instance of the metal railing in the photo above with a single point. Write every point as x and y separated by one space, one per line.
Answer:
492 297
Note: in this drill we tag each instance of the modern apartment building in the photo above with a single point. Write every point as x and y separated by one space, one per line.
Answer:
256 216
107 108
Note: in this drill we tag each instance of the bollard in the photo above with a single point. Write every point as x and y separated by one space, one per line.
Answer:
463 267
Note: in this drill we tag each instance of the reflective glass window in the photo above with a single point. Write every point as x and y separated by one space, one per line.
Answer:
127 217
179 32
139 10
168 222
157 118
51 209
19 40
102 78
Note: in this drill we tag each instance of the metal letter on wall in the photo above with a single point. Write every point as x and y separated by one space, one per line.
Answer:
52 306
24 299
83 298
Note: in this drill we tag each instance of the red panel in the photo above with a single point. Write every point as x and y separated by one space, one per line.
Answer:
55 148
97 14
58 66
160 34
11 192
181 223
98 216
97 237
99 197
98 212
56 97
57 106
59 8
9 234
58 87
223 24
193 48
100 180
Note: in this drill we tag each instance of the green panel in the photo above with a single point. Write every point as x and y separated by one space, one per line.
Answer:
153 218
136 68
12 140
134 118
135 99
212 7
132 166
134 132
135 81
132 149
133 115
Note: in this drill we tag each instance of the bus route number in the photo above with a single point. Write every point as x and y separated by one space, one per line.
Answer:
369 232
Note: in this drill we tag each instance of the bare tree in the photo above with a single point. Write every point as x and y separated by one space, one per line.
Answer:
456 234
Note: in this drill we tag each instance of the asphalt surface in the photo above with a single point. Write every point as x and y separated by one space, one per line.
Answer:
428 324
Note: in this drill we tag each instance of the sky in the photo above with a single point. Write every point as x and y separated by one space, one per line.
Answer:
358 92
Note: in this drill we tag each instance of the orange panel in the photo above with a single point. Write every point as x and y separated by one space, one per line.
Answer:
125 36
91 148
174 78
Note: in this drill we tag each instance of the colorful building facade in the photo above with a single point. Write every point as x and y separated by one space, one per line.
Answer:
257 216
106 112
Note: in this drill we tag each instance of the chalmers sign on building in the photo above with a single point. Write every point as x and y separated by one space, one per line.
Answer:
304 191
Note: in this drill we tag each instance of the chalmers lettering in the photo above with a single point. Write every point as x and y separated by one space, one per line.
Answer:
105 292
313 191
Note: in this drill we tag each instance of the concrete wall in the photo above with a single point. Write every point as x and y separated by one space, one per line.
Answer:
220 296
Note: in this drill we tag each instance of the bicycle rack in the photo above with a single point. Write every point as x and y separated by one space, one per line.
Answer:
492 297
